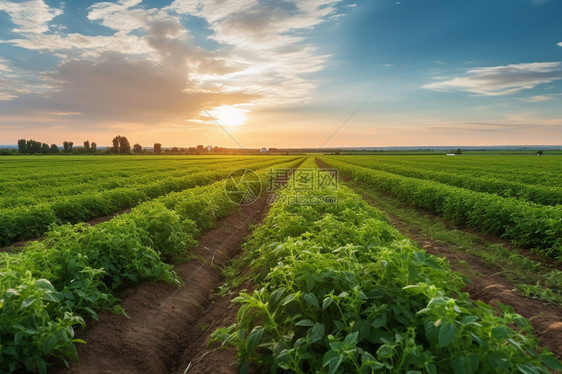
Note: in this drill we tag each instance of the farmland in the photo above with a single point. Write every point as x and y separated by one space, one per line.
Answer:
36 194
323 282
515 199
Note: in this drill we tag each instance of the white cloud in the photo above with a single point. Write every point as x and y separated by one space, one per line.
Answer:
560 44
501 80
262 59
31 16
538 98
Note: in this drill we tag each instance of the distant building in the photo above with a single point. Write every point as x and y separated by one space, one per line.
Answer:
209 148
451 154
263 150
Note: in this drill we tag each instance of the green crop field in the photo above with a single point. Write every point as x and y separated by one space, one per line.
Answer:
324 284
518 198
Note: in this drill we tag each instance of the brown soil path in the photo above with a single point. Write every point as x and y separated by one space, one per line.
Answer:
488 286
163 320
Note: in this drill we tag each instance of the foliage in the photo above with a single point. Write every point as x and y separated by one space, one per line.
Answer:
527 224
342 291
92 189
48 287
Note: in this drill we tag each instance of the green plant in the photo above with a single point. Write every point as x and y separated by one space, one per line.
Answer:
342 291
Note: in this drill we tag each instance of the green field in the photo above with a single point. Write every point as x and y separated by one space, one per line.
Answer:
337 288
40 191
517 198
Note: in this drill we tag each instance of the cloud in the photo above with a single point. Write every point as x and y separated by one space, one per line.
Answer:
119 90
538 98
265 39
559 44
261 59
31 16
501 80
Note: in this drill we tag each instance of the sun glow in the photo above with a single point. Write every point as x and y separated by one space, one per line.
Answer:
229 115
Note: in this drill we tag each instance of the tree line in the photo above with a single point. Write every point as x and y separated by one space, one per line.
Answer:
30 146
120 146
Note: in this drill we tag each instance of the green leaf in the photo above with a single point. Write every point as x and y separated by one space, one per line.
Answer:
254 338
551 361
516 345
51 296
27 302
379 322
466 364
49 344
311 299
447 332
351 339
500 332
316 333
528 368
310 282
333 360
370 362
326 303
499 360
288 299
305 322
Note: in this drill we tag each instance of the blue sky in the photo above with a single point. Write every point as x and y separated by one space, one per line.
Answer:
282 73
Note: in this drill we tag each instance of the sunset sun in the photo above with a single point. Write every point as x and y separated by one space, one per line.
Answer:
229 115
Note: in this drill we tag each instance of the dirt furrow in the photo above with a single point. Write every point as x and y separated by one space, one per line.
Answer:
162 319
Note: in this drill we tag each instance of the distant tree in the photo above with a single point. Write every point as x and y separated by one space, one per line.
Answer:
87 146
33 146
539 153
45 148
93 147
157 148
137 148
175 150
115 141
200 148
22 146
124 146
54 148
458 151
67 146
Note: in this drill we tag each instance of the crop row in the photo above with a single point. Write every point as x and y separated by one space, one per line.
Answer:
54 170
527 224
27 222
529 170
539 194
341 291
48 288
53 180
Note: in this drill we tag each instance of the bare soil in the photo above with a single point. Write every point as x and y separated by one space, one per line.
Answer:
166 323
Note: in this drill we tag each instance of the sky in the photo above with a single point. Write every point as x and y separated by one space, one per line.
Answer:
282 73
